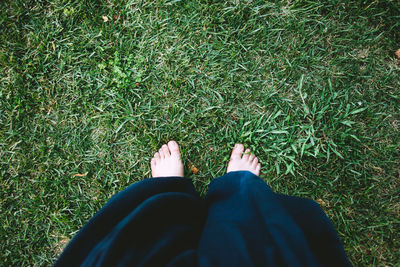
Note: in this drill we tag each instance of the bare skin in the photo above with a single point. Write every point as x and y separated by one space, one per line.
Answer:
242 160
167 161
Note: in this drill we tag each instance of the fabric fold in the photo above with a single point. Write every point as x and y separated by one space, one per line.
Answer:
240 222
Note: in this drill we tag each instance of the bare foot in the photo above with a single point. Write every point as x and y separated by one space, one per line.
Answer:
243 161
167 161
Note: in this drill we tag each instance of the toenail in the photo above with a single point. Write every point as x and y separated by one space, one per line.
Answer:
172 143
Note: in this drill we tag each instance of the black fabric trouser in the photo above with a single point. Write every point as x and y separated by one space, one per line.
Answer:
240 222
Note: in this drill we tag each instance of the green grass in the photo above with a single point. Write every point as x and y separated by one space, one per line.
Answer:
313 88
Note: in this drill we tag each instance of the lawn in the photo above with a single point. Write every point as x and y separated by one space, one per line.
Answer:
89 90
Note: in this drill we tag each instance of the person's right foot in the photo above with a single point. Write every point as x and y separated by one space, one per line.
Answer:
243 161
167 161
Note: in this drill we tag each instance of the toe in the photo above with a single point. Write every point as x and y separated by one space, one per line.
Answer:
174 148
251 157
156 155
254 163
165 149
161 153
153 167
246 154
237 151
258 168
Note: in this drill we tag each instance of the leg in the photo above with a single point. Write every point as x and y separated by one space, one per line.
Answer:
247 224
154 222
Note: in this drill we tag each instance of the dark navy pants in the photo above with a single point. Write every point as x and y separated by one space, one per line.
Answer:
240 222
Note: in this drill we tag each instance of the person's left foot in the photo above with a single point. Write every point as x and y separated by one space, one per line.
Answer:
167 161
